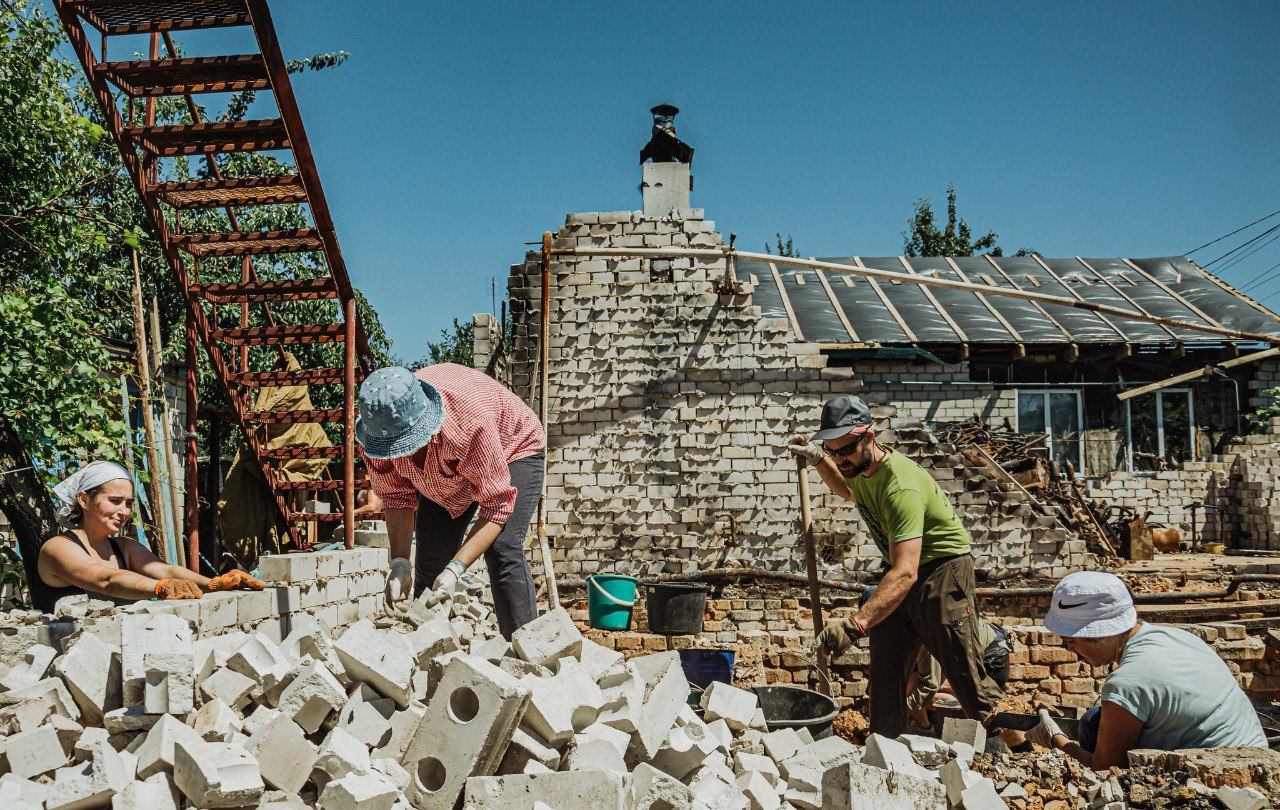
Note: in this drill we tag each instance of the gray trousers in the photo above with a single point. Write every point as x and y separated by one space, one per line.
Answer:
440 535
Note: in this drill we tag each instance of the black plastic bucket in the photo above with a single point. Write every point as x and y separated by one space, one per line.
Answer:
794 707
675 608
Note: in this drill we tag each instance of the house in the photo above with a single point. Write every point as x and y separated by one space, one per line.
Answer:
674 376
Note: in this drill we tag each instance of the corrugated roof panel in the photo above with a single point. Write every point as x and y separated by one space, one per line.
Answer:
1092 287
915 308
812 307
965 308
1231 309
1148 296
1082 325
1023 316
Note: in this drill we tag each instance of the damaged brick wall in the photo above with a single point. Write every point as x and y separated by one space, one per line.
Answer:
670 403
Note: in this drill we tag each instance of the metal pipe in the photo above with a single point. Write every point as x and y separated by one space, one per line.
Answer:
912 278
191 477
548 568
348 426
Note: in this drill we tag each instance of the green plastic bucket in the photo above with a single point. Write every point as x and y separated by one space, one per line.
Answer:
610 598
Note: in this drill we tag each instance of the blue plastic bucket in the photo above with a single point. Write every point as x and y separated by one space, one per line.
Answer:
610 598
703 667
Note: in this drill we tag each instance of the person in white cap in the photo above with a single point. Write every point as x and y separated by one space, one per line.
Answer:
926 597
1169 689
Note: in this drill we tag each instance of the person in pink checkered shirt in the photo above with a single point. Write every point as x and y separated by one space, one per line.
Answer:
447 447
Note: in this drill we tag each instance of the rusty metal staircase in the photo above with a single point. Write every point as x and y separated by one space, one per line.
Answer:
126 92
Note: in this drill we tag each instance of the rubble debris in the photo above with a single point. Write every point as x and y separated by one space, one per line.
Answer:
427 707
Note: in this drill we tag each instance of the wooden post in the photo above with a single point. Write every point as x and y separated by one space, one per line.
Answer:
166 439
811 562
548 569
148 423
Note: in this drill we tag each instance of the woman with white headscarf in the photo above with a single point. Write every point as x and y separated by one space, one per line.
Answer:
94 504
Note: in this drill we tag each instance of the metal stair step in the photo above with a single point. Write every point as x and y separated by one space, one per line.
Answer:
317 486
287 334
305 376
146 16
217 138
243 191
239 292
197 74
332 517
295 453
249 243
294 417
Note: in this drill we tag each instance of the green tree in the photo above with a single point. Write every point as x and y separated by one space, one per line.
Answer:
59 388
923 237
785 248
454 346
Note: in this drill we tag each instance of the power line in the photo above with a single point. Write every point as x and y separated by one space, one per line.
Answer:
1261 278
1233 233
1244 245
1224 268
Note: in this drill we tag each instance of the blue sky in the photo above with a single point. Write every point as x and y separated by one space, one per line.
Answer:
458 131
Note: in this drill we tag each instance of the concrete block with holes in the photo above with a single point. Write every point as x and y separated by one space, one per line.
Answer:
464 732
564 790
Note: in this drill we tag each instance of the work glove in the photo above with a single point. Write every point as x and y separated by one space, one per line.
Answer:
838 635
1042 733
447 585
234 580
811 452
399 581
177 589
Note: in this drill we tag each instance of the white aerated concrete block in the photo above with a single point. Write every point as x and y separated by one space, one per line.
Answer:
29 793
92 676
285 757
155 754
548 638
733 705
381 658
982 795
50 689
261 661
33 667
526 746
594 754
369 791
666 692
391 769
651 788
341 755
91 784
758 790
367 717
216 774
566 790
890 755
228 686
686 748
599 659
962 730
436 637
783 744
747 763
170 682
143 635
288 569
466 729
403 726
157 793
311 694
563 704
857 785
215 721
34 752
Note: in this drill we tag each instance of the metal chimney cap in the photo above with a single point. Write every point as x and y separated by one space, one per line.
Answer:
665 110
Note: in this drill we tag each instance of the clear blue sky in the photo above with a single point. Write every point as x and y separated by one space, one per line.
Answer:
458 131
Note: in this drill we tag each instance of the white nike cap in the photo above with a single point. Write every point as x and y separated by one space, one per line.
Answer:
1090 604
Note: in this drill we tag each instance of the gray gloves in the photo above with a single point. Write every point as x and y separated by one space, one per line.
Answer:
1042 733
811 452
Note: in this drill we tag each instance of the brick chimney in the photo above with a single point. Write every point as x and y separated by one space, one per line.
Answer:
666 179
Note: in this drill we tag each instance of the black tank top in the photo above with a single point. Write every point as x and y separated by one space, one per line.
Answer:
45 596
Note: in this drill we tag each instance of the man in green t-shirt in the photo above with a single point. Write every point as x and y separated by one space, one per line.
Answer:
926 596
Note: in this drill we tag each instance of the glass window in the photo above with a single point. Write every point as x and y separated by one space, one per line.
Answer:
1057 415
1162 429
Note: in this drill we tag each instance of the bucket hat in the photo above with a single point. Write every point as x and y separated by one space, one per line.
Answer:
399 413
1090 604
842 416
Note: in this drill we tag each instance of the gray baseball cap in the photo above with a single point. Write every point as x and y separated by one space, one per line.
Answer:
842 416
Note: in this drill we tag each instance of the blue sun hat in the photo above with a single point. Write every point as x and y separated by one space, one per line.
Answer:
398 413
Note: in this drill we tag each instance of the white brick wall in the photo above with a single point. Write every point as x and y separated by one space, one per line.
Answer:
669 406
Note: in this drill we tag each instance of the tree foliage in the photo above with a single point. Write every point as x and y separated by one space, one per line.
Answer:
784 248
454 346
923 237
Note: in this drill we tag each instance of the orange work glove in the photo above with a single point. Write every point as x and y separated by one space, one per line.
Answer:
177 589
234 580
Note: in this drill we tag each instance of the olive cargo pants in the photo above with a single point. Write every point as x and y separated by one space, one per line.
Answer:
939 612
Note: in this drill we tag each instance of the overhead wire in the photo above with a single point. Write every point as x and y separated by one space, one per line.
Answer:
1233 233
1262 278
1243 245
1244 256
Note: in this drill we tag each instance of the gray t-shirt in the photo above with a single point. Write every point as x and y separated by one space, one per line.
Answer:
1182 692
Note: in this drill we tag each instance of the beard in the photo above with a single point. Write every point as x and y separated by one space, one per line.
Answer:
858 466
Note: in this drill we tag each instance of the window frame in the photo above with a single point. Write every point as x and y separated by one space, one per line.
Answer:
1048 420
